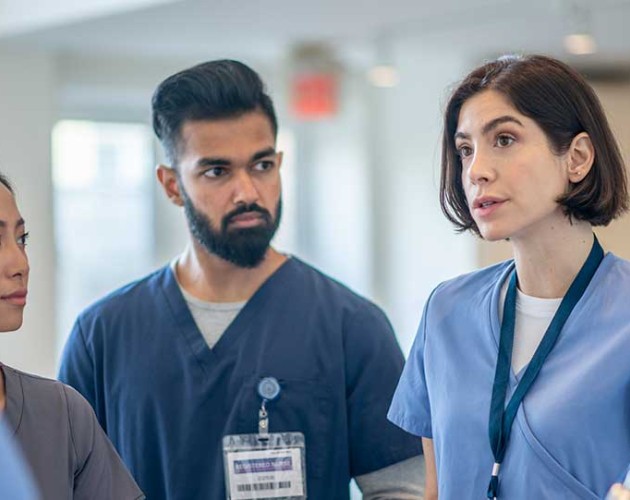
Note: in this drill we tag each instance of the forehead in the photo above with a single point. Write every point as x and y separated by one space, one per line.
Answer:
227 137
8 208
483 107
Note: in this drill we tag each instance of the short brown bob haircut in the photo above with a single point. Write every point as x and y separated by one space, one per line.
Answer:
563 105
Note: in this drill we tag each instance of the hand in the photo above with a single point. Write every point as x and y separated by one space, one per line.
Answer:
618 492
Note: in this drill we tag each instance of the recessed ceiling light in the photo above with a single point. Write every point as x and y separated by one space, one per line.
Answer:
383 76
580 44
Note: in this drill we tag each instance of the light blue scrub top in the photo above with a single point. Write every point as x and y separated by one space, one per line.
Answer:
16 482
571 437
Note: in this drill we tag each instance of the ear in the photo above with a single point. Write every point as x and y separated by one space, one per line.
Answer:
168 179
280 158
580 157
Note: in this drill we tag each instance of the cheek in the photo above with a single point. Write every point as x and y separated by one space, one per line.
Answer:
271 192
468 188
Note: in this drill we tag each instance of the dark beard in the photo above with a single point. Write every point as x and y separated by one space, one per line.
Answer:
244 247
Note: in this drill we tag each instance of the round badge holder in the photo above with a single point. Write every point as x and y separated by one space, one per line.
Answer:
269 388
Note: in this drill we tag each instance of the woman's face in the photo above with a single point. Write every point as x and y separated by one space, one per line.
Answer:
510 174
13 263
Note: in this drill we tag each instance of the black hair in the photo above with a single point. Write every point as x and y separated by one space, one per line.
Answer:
209 91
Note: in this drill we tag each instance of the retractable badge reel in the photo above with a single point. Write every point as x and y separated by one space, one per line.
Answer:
265 465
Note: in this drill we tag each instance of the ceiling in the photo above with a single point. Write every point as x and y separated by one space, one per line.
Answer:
256 29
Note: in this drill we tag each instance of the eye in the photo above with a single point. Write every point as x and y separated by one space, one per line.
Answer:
464 151
23 239
264 165
504 140
215 172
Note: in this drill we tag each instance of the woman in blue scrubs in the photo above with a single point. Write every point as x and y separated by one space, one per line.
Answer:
518 380
68 453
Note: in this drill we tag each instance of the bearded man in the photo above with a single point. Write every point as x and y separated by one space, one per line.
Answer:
237 371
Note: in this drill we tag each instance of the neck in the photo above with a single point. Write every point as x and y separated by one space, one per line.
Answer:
213 279
547 263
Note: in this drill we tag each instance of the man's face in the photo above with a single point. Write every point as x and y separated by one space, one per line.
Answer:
228 181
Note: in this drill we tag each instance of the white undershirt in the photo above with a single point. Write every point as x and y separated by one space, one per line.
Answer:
533 316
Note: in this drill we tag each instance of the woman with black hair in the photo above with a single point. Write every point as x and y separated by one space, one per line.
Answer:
61 440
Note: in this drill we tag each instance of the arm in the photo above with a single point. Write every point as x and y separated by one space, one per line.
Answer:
402 481
431 485
373 362
77 365
99 472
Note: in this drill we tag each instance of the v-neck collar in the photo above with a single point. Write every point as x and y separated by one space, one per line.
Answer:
187 328
495 297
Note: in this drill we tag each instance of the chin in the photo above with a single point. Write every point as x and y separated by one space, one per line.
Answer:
7 324
490 233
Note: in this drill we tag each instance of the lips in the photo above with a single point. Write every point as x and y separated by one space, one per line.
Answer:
246 220
17 298
484 206
486 201
249 216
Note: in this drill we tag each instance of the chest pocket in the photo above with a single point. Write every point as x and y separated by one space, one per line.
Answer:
303 406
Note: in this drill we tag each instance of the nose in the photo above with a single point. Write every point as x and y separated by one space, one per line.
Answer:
16 264
245 191
480 168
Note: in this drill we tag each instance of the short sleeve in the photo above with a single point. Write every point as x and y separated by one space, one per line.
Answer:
373 365
410 409
99 473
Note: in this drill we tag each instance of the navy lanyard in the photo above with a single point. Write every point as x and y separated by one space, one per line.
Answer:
501 418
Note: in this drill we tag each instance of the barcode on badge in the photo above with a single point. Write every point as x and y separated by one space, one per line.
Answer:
281 485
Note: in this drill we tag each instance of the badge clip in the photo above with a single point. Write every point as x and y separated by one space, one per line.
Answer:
268 390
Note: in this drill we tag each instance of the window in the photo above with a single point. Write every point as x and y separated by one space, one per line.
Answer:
102 181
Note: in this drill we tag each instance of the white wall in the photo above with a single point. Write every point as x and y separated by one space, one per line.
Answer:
334 214
27 113
416 247
615 97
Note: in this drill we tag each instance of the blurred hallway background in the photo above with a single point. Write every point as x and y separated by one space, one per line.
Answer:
359 86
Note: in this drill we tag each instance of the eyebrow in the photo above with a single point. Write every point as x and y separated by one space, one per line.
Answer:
221 162
19 223
492 124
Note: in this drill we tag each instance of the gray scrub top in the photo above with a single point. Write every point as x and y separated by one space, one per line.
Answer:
69 454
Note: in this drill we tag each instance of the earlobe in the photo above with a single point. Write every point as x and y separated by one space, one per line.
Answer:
167 177
581 156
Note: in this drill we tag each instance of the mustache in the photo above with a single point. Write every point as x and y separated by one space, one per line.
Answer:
243 209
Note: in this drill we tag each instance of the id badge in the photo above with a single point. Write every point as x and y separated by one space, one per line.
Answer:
265 466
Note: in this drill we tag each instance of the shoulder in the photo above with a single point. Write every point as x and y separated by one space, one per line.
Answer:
467 287
323 287
124 300
617 268
49 397
130 291
358 319
41 390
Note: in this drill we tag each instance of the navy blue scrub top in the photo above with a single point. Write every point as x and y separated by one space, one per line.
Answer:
166 400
